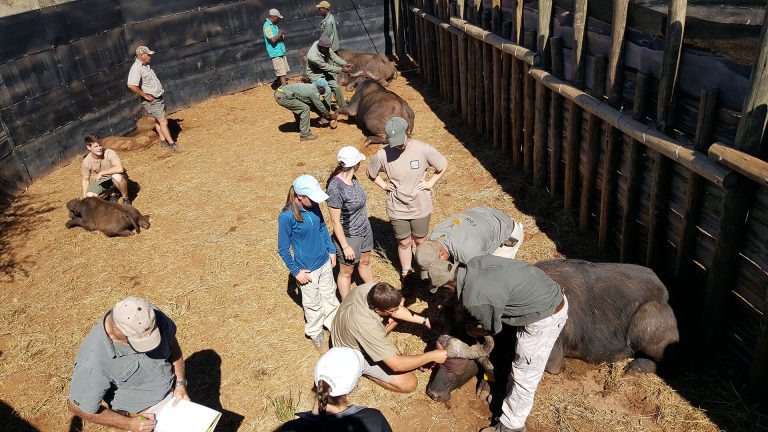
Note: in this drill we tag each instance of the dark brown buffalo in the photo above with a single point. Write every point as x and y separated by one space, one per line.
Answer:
616 311
111 218
366 65
373 105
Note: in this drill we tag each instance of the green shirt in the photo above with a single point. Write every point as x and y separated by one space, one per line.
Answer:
304 92
357 326
498 291
328 28
474 232
319 65
139 380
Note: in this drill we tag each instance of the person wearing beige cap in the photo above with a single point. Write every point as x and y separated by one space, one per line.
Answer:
328 24
128 367
274 40
352 233
336 375
409 200
143 81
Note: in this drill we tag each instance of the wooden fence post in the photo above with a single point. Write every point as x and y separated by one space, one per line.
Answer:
542 36
488 92
529 96
496 17
463 76
579 35
470 56
479 87
573 134
516 100
497 108
456 73
594 129
506 74
556 119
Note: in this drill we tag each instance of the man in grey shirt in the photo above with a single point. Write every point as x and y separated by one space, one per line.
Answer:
474 232
323 62
498 291
143 81
128 367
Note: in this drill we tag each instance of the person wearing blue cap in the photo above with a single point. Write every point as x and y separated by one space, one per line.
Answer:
300 98
305 246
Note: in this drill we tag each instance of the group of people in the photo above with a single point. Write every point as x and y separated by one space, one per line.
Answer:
323 68
130 365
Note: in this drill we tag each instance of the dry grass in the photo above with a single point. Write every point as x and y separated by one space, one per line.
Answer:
210 262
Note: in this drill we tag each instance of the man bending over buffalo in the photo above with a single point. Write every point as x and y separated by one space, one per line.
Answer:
362 322
323 62
102 171
499 291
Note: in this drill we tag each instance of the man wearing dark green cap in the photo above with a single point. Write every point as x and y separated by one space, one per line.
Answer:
328 25
409 203
299 98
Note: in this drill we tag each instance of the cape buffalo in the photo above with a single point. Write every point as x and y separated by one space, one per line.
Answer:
111 218
617 311
366 65
373 105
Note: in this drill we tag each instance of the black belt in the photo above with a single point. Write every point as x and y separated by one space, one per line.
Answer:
559 307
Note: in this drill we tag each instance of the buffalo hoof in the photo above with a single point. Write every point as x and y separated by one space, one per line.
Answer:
483 390
641 365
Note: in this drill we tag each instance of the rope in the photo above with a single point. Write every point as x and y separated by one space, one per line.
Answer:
364 27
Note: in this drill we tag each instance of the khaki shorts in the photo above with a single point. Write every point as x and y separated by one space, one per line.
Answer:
101 185
281 66
376 371
156 108
405 228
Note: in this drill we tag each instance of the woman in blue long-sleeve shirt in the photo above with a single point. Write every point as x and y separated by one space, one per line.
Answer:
306 248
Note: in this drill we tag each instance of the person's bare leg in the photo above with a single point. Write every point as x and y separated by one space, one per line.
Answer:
121 184
283 80
418 240
344 280
401 383
404 252
160 133
165 132
364 267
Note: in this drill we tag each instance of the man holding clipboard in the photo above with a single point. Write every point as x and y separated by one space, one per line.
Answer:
128 367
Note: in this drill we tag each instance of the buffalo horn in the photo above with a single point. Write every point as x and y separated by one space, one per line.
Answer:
458 349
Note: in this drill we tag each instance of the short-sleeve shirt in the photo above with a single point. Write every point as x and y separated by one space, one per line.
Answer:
357 326
474 232
276 49
351 200
92 166
141 75
139 380
405 170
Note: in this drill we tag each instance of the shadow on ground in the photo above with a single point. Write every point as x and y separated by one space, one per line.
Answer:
203 370
17 222
710 391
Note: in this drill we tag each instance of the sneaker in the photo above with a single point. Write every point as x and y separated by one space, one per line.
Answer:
175 147
323 121
127 201
309 137
164 144
317 342
114 197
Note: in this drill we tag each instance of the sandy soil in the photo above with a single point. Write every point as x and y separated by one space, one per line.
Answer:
209 260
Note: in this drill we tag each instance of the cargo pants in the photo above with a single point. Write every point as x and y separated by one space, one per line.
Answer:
299 109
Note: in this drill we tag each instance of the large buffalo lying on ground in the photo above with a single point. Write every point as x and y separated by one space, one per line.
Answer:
111 218
366 65
372 105
616 311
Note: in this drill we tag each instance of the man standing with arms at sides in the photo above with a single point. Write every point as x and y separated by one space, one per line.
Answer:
143 81
328 25
274 40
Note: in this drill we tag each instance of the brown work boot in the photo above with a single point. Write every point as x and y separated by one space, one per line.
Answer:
309 137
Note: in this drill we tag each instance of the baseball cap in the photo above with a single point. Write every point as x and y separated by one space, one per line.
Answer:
135 318
323 4
426 253
324 42
350 156
321 82
395 130
441 272
275 12
341 368
308 185
144 50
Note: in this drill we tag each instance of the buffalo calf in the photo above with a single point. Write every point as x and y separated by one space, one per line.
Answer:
111 218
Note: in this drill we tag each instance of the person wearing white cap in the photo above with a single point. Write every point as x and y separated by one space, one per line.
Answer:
328 24
143 81
336 375
274 40
306 248
128 367
352 231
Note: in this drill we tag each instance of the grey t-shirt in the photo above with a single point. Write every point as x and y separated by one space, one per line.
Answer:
144 77
498 291
351 200
127 380
474 232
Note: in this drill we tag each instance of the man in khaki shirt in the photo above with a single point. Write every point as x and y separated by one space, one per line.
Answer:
362 322
409 200
102 171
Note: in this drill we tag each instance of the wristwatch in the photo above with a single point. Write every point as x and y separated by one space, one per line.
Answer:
425 321
183 382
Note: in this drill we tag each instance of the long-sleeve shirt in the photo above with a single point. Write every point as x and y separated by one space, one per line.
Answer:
328 29
319 65
309 240
306 93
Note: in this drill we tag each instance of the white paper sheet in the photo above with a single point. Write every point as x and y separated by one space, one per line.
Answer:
186 417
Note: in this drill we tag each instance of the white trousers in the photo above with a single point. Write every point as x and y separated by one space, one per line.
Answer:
534 343
510 252
318 298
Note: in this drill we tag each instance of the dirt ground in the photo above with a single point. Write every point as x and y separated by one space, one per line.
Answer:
210 262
